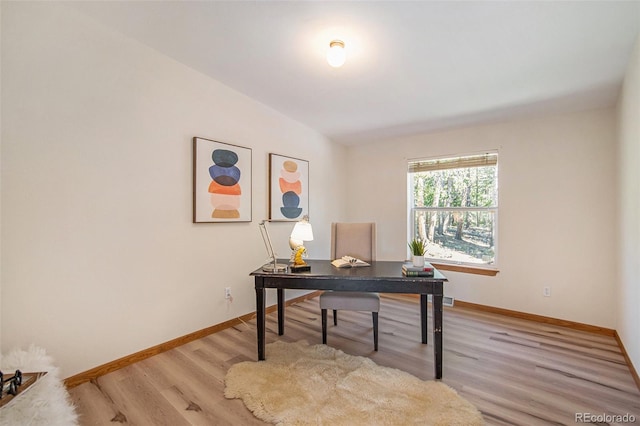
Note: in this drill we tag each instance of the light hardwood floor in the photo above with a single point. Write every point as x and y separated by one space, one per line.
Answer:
517 372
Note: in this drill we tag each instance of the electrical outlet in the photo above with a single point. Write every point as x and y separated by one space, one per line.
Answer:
546 291
227 293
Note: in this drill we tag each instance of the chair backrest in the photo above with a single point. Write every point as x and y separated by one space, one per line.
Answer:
353 239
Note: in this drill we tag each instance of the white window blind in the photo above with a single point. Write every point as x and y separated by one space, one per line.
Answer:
488 159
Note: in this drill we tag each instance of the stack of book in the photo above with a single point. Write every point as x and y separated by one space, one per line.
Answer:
408 270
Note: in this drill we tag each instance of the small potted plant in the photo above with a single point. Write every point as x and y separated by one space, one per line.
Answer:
418 249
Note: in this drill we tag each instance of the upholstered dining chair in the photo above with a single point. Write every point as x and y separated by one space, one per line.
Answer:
357 240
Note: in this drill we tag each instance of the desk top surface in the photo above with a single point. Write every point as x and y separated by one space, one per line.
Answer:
379 270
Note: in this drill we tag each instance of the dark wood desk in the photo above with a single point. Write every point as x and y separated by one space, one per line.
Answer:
380 277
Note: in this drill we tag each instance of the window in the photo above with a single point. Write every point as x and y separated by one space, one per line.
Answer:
453 207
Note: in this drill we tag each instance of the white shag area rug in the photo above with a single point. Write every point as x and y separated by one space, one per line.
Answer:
299 384
46 402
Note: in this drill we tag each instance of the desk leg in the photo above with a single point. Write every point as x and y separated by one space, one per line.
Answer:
280 311
437 334
260 321
423 317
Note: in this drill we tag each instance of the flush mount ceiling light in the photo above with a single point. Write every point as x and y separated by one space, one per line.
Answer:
336 54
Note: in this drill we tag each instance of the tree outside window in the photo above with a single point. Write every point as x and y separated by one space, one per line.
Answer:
453 207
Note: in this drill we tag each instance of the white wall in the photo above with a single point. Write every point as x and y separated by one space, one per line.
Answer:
557 201
99 255
628 320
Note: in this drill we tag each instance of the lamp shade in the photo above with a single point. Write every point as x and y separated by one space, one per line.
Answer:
302 231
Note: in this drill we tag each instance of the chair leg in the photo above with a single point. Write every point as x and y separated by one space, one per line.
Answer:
335 317
324 326
375 331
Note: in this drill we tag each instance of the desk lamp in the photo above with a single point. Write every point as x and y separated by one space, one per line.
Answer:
302 231
272 266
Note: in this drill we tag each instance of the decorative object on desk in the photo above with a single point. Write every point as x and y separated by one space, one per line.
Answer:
300 384
272 265
302 231
349 262
288 187
418 249
221 182
410 270
45 402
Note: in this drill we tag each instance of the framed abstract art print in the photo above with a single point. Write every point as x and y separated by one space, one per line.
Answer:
288 188
221 182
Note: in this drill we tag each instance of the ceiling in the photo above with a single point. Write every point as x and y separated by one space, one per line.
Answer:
411 67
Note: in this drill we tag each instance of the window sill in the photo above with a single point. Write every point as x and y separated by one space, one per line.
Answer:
465 269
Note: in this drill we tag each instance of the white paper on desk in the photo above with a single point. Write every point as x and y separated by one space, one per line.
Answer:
349 262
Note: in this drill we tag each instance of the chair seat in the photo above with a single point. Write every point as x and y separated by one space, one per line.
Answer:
350 301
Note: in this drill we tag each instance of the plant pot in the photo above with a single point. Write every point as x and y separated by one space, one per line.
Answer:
418 260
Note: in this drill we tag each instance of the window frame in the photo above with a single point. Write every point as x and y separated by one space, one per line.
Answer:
444 264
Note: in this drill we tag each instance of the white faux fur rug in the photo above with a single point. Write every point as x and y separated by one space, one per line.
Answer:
299 384
46 402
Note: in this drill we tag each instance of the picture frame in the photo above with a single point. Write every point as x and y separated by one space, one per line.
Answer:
221 182
288 188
